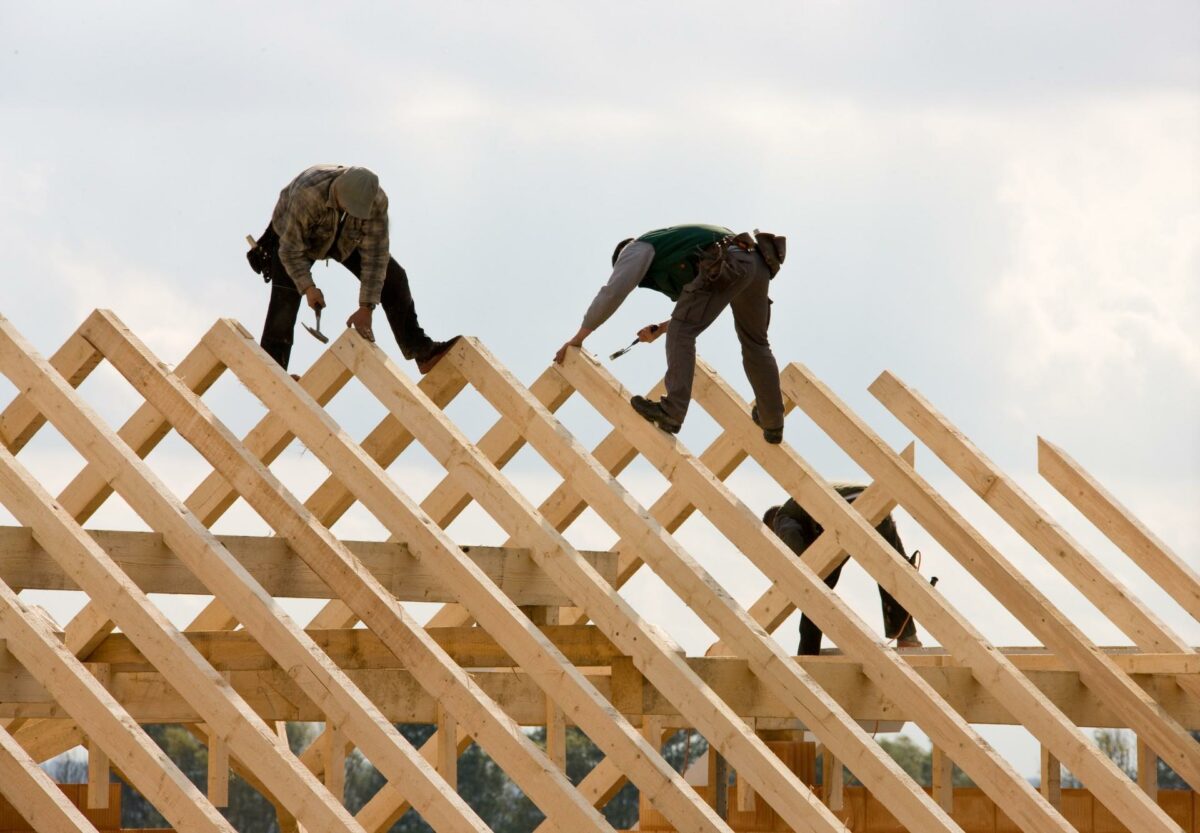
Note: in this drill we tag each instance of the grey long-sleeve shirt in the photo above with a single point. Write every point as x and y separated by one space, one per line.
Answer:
631 266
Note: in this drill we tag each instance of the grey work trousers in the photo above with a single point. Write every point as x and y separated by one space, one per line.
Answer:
742 284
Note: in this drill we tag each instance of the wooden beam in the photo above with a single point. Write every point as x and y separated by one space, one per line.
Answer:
1034 524
107 725
377 608
746 532
773 666
1174 575
153 567
396 511
387 806
1046 723
37 799
335 761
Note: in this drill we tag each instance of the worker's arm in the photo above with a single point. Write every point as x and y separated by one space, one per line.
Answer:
628 271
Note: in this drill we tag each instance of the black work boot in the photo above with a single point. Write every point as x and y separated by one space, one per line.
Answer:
772 435
653 411
429 355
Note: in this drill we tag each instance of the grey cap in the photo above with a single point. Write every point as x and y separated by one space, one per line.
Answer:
356 189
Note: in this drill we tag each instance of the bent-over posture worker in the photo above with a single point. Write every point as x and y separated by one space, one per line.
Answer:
703 269
799 530
331 211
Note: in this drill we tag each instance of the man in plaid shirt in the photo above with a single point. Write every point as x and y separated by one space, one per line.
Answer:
331 211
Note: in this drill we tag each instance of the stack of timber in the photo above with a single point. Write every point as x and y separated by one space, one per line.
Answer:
534 632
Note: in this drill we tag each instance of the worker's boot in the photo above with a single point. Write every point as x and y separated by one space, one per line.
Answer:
772 435
652 411
428 356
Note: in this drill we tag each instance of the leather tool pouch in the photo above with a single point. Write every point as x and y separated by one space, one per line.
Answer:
262 255
773 249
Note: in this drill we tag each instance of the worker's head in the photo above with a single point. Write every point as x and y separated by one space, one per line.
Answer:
620 248
355 191
769 516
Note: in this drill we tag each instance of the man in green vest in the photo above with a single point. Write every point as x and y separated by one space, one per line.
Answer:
703 269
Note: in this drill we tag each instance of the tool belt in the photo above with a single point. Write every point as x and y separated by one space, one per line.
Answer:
772 248
263 254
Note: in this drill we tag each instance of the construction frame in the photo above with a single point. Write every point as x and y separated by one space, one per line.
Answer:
535 632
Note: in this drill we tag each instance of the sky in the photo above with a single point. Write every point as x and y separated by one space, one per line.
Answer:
998 202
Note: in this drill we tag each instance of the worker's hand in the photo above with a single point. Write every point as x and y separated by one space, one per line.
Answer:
651 332
315 297
561 355
360 320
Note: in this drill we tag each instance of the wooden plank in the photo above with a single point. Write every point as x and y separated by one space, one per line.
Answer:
745 530
37 799
377 608
107 725
156 639
504 620
218 771
1174 575
833 780
1051 778
1034 524
699 590
387 806
196 545
1014 591
153 567
943 779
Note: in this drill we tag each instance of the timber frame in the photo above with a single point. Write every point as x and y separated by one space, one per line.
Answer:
535 632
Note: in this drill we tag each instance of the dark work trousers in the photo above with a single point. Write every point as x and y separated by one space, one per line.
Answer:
741 284
284 307
897 624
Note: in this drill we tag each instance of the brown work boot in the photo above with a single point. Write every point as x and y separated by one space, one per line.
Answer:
652 411
910 643
431 354
772 435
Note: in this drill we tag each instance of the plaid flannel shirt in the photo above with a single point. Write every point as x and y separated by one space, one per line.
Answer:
306 221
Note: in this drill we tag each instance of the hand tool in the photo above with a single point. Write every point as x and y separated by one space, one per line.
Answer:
317 334
624 350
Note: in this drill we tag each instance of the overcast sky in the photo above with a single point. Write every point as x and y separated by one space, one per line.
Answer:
999 202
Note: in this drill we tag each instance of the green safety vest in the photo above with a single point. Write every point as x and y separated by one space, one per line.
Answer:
677 256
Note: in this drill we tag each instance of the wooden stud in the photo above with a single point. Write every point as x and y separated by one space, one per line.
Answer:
218 770
1036 526
1051 778
98 765
447 747
1174 575
108 726
397 512
746 531
363 723
833 780
37 799
334 741
1046 723
1147 770
943 779
745 791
